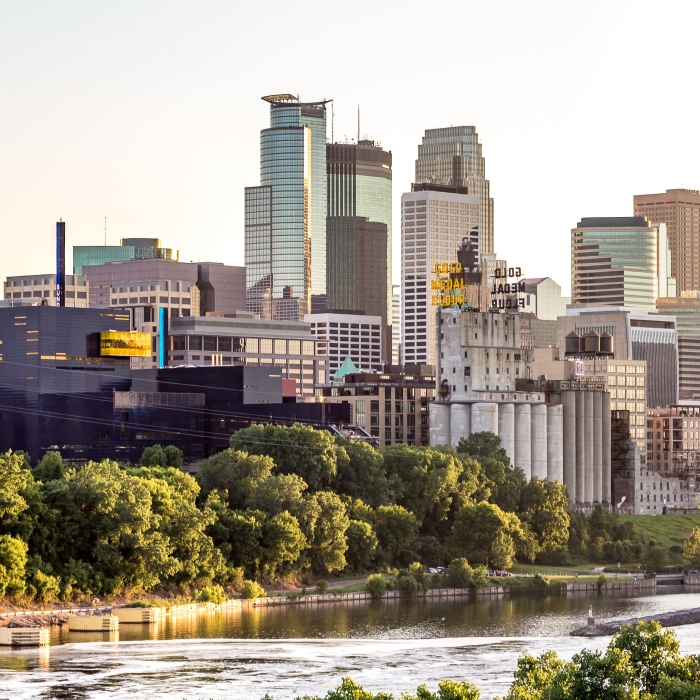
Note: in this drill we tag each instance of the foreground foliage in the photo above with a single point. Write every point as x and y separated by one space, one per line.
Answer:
640 663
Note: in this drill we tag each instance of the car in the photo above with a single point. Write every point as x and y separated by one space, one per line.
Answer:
432 571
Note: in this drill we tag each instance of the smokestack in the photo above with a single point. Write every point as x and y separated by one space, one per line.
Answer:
60 263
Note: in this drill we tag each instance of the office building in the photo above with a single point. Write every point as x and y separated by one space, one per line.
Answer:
285 216
340 335
396 324
435 221
241 339
673 441
620 261
358 230
679 209
393 407
128 249
453 156
28 290
543 298
686 309
143 287
636 335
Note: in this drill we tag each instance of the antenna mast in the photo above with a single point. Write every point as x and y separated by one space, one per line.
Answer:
358 123
105 230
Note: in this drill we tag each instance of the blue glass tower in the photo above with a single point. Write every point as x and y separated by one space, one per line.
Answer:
285 217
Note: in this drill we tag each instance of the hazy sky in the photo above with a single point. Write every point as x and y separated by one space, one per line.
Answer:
150 112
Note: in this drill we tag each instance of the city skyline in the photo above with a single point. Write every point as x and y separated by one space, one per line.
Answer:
167 139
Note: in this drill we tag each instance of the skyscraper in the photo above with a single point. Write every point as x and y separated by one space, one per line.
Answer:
285 217
680 211
435 220
358 230
620 261
452 156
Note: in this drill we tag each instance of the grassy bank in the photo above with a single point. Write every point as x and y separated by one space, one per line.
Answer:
666 530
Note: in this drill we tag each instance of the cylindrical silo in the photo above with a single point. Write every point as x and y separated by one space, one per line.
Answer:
506 429
573 343
538 440
555 443
439 423
588 491
569 404
485 417
597 447
460 422
607 476
523 451
580 448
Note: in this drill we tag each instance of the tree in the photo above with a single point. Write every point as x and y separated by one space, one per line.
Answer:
362 543
459 573
691 549
426 482
13 562
50 468
327 545
279 493
482 446
539 678
544 507
13 480
650 651
597 676
297 449
397 529
237 473
282 545
483 530
362 474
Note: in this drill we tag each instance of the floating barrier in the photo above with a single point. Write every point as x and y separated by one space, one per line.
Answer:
94 623
24 637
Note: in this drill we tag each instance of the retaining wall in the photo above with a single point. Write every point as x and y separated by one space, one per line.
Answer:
645 585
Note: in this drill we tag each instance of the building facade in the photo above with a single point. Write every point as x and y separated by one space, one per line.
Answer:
129 249
396 324
285 217
686 309
27 290
435 220
242 339
453 156
679 209
392 407
341 335
358 229
542 297
620 261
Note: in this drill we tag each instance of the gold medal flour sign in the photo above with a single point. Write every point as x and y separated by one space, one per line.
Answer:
448 286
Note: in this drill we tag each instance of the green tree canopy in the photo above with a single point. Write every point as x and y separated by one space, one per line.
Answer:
397 529
362 474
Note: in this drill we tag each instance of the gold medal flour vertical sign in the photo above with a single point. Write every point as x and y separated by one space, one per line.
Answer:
447 285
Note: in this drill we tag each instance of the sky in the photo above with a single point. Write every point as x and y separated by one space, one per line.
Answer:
149 112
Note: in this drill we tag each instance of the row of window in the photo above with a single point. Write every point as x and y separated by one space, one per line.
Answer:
265 346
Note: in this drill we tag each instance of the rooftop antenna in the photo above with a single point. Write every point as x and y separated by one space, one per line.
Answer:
105 230
332 121
358 123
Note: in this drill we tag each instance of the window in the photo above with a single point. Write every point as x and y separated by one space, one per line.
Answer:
308 347
195 342
266 346
252 345
224 344
210 343
280 347
295 347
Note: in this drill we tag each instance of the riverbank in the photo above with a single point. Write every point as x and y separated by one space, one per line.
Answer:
670 619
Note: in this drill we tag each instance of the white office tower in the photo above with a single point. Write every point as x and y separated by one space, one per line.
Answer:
434 221
395 324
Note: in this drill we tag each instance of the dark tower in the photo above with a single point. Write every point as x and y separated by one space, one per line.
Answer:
60 263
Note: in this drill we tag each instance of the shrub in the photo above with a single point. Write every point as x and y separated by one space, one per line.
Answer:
408 584
211 594
459 575
417 570
252 590
376 585
479 577
602 580
322 586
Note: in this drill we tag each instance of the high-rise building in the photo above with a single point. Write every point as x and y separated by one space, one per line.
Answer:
680 211
435 220
620 261
129 249
396 324
285 217
686 309
358 230
452 156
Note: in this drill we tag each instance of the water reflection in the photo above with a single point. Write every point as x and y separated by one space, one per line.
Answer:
295 650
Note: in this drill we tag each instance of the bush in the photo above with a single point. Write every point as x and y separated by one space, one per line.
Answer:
417 570
407 584
322 586
376 585
459 575
479 577
602 580
252 590
211 594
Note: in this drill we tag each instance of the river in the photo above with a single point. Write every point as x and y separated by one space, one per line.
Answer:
301 650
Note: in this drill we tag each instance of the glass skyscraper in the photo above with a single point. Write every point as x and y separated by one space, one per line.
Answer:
285 217
620 261
452 156
130 249
358 229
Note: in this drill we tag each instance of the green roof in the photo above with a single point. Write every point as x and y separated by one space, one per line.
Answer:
346 368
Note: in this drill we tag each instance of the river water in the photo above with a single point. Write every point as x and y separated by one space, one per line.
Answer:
290 651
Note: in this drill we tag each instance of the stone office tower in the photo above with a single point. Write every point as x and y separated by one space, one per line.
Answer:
452 156
358 230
